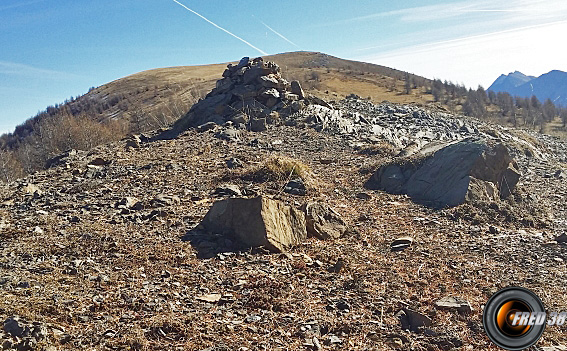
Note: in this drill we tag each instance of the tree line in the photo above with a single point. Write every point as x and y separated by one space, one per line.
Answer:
500 107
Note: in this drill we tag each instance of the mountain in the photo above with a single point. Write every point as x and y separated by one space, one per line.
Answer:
508 82
155 98
551 85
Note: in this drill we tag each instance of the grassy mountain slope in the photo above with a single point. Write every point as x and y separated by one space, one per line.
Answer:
156 97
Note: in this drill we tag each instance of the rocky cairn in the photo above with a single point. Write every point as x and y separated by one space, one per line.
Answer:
250 95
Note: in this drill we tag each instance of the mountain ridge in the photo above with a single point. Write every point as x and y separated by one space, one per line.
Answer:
551 85
510 80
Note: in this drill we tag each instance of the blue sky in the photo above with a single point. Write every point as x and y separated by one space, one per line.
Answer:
53 49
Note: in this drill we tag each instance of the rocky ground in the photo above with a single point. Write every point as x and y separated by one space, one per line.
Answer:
99 253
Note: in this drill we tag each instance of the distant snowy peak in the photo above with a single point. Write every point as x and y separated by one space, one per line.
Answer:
551 85
508 81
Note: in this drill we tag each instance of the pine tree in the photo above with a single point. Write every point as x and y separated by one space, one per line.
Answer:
549 110
407 83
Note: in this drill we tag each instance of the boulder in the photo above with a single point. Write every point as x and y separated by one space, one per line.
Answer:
401 244
133 142
228 134
270 93
322 221
206 126
126 202
257 222
258 125
454 303
99 161
163 200
240 118
296 89
243 62
560 174
14 327
270 81
228 190
32 189
466 171
60 159
295 187
233 163
412 320
561 238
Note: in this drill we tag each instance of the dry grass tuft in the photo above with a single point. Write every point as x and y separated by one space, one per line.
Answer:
275 168
383 148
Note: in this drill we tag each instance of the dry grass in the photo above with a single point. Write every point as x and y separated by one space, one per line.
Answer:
383 149
556 128
335 85
278 167
275 168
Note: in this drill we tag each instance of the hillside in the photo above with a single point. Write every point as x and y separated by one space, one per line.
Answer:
155 98
104 249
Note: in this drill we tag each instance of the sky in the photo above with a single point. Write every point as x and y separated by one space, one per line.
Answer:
51 50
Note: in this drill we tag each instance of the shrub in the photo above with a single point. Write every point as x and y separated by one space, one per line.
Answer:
54 135
10 167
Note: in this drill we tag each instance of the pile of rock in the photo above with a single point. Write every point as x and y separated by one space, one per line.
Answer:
408 128
251 94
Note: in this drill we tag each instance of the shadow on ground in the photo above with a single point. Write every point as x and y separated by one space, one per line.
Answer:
209 245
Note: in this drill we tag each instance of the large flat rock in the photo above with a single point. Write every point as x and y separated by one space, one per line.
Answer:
464 171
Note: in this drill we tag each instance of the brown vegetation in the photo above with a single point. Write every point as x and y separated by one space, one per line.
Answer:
54 135
156 98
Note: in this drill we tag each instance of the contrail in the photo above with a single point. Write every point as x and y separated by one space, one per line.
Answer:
221 28
280 35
